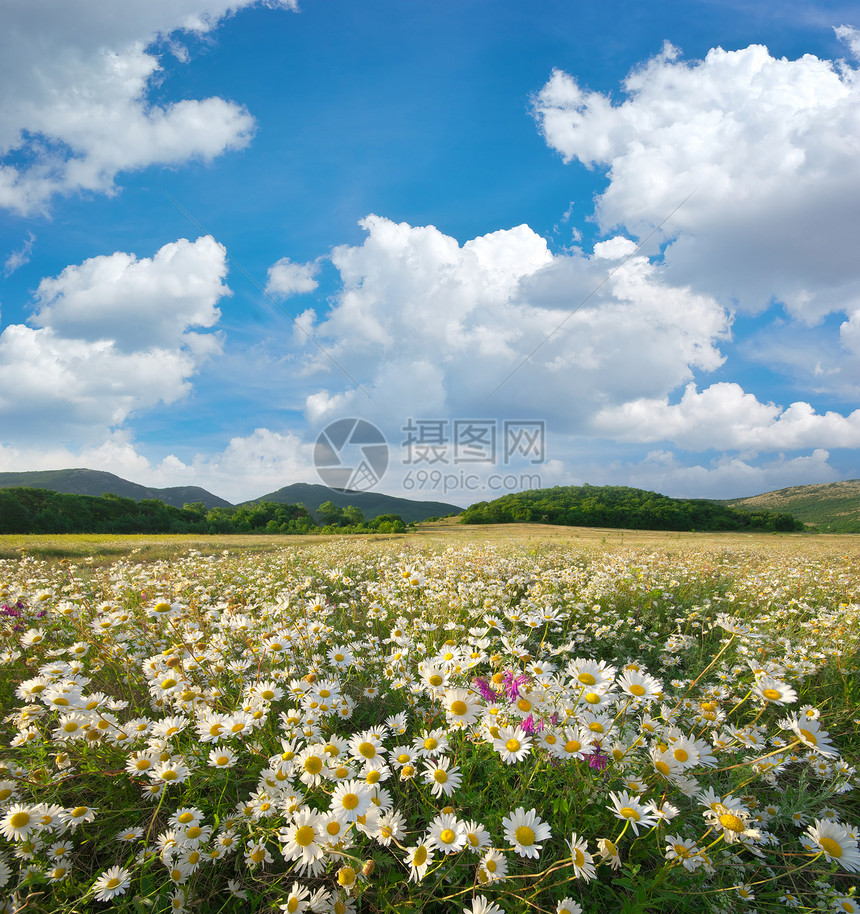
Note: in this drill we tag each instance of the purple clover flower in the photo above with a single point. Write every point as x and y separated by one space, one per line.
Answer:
512 685
597 759
485 689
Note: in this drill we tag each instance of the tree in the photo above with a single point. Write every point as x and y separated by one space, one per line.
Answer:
352 516
330 515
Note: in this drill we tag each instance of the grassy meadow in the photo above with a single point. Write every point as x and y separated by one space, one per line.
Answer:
516 718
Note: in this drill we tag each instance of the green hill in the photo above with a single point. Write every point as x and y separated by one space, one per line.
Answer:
98 482
832 507
371 504
622 506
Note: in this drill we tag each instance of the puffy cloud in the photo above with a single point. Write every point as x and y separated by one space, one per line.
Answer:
137 304
248 467
111 336
287 278
724 417
75 109
851 37
728 476
765 148
428 326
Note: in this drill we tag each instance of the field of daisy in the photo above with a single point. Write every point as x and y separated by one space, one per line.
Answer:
433 724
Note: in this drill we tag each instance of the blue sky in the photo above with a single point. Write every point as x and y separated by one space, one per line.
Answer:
226 226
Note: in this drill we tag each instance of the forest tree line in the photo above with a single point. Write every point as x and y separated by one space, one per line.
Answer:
622 506
27 510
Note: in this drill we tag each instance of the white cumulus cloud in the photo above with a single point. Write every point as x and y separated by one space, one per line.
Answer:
75 112
768 147
111 336
287 278
429 326
725 417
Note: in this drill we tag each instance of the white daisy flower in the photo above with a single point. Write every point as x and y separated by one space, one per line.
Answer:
837 843
111 883
525 831
443 777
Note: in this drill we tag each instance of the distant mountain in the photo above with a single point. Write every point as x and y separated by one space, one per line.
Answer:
832 507
97 482
371 504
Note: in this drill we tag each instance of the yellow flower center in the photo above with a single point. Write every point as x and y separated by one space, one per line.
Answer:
459 708
346 876
333 828
194 831
367 750
293 904
578 857
524 704
771 694
448 836
572 745
662 767
586 679
186 817
20 819
681 754
512 745
525 836
435 680
419 858
830 847
629 813
304 835
113 882
440 776
637 690
313 764
349 801
808 737
731 822
430 743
